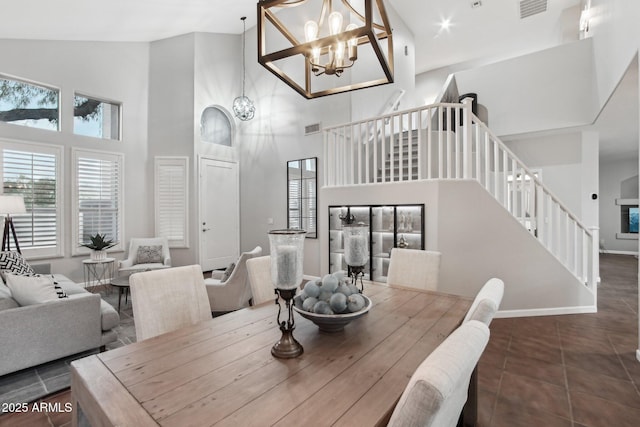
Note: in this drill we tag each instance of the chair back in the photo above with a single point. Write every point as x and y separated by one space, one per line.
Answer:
414 268
259 272
168 299
487 302
437 391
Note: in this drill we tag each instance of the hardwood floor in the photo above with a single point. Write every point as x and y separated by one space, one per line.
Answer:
573 370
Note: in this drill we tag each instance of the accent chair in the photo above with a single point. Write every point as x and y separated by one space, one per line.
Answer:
233 292
151 253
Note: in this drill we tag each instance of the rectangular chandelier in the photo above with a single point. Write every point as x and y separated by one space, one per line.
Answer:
325 47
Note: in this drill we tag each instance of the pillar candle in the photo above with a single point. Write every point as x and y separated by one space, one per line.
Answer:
287 266
356 251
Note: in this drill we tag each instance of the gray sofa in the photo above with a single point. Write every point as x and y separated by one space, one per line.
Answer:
39 333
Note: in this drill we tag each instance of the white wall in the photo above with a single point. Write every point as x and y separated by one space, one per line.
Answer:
549 89
115 71
171 117
612 175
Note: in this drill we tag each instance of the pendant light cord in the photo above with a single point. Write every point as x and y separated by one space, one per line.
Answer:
244 69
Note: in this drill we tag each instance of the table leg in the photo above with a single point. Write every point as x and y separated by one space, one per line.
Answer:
119 297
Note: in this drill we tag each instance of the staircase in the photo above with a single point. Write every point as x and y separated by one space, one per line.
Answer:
446 141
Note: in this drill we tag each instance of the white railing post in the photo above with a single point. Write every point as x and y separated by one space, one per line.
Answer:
595 261
466 139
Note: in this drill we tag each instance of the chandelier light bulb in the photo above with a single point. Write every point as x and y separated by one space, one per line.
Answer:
310 31
335 23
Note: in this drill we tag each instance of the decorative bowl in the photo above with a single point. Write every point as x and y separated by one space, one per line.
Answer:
334 322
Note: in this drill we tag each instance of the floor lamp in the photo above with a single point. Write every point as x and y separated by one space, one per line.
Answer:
10 205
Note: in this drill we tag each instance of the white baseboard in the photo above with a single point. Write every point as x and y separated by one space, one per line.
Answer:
638 355
546 311
607 251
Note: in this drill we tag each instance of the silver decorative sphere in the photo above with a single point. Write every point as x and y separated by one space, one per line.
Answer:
243 108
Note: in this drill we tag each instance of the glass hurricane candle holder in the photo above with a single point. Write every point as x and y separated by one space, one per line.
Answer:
356 251
287 253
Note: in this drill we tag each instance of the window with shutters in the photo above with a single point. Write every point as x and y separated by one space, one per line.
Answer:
33 171
301 195
97 197
171 200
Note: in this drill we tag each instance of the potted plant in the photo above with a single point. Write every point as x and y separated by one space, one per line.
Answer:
99 245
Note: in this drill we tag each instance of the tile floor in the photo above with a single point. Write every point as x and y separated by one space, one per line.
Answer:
574 370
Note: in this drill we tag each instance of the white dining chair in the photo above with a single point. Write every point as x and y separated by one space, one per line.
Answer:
437 391
259 272
487 302
414 268
168 299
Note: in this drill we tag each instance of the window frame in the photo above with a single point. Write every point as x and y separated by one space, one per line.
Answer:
175 161
58 90
102 100
48 149
76 154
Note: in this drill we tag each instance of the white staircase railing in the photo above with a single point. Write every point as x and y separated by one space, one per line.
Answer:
447 141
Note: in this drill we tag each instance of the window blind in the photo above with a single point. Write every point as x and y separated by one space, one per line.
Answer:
98 193
34 175
171 200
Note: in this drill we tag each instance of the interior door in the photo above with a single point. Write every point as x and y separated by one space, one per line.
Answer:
219 213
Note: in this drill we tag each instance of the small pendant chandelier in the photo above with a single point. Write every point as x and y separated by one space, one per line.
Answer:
243 107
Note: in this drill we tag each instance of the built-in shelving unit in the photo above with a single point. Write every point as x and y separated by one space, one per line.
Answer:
390 226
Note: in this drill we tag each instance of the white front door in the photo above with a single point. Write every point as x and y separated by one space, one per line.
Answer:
219 213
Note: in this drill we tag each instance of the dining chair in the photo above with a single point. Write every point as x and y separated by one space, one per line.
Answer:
259 272
234 292
487 302
168 299
414 268
437 391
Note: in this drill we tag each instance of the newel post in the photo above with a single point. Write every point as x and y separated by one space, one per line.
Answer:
467 162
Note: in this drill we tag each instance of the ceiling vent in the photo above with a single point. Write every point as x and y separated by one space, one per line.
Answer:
532 7
311 129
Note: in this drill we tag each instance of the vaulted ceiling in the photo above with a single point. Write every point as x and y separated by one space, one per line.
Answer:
479 31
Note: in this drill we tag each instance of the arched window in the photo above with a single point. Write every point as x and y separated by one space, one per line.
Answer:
216 126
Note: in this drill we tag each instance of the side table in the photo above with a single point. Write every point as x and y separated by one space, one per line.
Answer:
122 283
98 273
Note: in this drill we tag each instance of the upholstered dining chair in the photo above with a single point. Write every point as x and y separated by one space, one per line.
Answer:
168 299
487 302
234 292
145 254
259 271
437 391
414 268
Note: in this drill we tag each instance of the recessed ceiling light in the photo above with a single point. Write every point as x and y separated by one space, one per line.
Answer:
476 3
445 24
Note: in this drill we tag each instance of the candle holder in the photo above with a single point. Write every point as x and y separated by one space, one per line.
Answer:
356 251
286 247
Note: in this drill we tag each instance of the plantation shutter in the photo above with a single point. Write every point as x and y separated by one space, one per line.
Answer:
34 175
98 195
171 200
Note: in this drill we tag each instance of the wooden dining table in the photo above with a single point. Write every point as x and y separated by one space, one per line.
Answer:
221 372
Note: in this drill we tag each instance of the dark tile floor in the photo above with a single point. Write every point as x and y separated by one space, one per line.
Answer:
574 370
